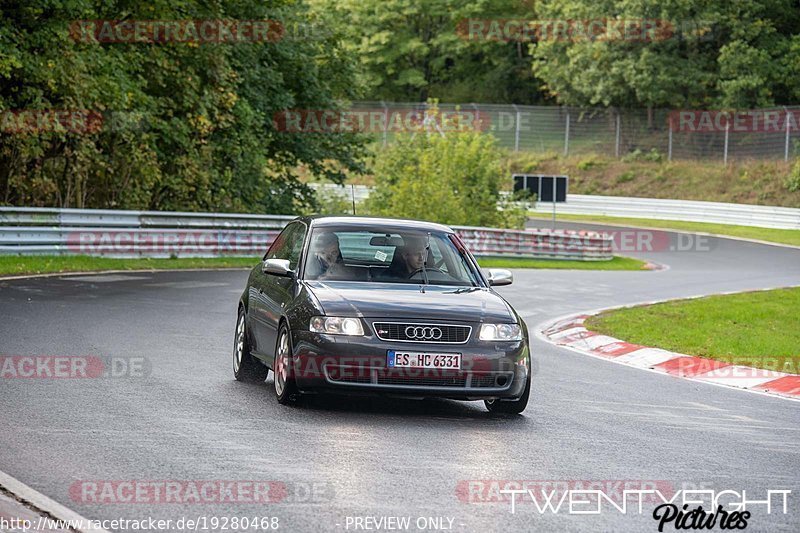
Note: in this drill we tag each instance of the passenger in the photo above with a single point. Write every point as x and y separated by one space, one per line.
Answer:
327 260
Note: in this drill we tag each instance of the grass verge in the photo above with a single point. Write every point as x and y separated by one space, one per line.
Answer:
781 236
45 264
617 263
759 329
650 175
49 264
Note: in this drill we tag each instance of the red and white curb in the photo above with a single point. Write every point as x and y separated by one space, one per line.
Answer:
569 332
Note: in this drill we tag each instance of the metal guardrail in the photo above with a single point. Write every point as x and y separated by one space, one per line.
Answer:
620 206
538 243
166 234
684 210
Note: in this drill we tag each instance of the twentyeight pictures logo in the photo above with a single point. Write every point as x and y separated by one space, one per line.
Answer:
676 508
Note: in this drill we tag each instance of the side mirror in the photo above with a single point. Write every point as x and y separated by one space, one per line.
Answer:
277 267
500 276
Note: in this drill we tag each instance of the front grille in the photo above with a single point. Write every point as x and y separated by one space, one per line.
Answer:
348 374
417 377
490 380
428 333
456 380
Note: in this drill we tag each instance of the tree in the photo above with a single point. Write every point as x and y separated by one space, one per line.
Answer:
412 50
451 178
185 125
709 54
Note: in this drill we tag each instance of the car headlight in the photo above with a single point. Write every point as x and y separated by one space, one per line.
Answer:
501 332
334 325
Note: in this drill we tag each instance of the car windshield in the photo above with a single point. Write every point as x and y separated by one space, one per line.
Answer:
346 254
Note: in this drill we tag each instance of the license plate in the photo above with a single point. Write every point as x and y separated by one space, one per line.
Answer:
447 361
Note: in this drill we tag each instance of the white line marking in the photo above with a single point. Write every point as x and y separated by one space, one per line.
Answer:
42 502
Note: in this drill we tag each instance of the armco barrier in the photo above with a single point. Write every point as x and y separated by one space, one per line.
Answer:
619 206
545 244
687 210
165 234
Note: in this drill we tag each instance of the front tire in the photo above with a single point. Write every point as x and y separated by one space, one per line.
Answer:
245 367
285 386
511 407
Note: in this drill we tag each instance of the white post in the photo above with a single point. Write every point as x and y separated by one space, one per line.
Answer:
385 122
616 149
669 149
727 129
516 130
786 147
566 137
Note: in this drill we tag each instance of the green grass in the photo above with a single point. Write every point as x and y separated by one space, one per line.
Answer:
781 236
44 264
754 182
617 263
760 329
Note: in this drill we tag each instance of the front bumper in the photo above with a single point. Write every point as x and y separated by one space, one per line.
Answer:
338 363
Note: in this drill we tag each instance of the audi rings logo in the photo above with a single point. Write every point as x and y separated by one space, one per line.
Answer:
424 333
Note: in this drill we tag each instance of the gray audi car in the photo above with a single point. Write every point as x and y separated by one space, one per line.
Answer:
380 306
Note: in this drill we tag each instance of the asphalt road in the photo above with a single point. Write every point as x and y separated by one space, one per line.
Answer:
187 419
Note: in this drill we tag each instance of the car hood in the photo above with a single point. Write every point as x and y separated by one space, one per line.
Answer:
404 300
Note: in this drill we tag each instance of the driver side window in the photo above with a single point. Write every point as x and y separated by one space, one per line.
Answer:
289 244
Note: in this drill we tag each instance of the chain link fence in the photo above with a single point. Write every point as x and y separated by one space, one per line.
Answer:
663 134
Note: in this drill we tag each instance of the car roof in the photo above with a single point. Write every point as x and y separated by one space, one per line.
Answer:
380 222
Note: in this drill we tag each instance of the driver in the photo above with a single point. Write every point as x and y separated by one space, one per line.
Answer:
408 259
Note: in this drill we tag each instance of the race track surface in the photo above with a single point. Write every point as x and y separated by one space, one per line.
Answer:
588 420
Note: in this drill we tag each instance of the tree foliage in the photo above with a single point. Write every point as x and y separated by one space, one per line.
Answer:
184 125
412 50
452 179
732 54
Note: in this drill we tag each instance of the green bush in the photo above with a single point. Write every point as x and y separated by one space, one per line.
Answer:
653 156
589 163
626 176
452 179
523 162
793 181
